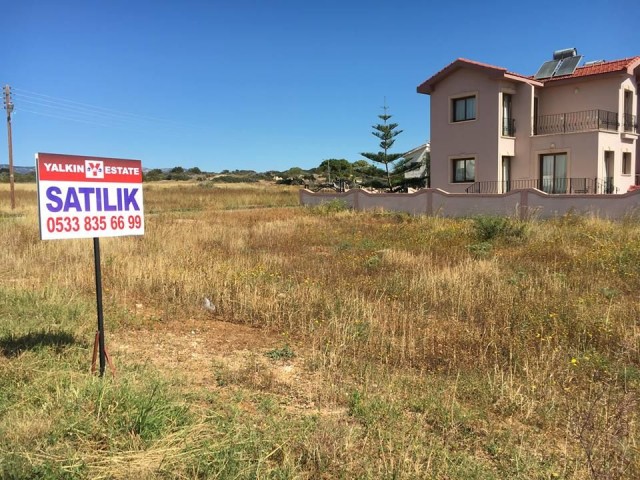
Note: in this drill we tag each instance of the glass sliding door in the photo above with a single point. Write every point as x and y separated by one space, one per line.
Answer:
506 174
608 171
553 173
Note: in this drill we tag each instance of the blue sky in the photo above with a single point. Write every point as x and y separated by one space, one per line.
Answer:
263 85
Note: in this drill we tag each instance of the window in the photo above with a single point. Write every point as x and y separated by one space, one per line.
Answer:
508 124
630 124
609 163
506 174
463 108
626 163
464 170
553 173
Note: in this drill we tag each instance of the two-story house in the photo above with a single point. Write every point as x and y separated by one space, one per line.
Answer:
563 130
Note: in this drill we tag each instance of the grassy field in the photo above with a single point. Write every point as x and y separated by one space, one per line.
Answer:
343 345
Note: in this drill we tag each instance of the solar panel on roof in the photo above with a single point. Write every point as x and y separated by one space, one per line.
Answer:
568 66
547 69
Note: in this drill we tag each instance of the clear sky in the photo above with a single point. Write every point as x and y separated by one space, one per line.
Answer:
264 85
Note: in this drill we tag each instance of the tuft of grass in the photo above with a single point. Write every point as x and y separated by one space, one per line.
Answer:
283 353
332 206
489 227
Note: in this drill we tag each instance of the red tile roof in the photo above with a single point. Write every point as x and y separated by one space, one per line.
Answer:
598 69
601 68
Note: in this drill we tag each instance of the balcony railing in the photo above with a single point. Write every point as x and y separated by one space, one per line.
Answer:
576 122
548 185
630 123
508 127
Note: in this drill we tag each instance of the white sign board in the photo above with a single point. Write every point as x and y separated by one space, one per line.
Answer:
88 197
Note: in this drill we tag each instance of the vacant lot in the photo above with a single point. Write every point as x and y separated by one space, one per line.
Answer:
341 345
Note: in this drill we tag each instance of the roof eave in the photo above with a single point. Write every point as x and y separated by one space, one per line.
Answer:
583 78
518 78
633 66
429 85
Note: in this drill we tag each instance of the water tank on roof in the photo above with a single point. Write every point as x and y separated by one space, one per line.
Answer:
565 53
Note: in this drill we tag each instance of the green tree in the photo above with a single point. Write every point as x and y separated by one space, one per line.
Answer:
387 134
335 167
369 174
153 175
294 172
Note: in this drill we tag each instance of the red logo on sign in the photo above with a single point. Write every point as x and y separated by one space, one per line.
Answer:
94 168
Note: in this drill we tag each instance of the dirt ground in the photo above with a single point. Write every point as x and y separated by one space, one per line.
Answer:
212 354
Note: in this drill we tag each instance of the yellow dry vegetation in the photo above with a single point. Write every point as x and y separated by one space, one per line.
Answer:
339 344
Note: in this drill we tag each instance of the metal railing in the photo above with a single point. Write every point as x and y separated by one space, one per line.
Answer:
576 122
553 186
508 127
630 123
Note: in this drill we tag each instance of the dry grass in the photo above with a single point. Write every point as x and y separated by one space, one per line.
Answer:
445 354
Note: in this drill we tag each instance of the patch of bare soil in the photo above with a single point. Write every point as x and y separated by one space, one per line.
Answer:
212 354
190 346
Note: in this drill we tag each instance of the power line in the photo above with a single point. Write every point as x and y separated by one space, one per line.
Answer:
62 117
72 110
87 106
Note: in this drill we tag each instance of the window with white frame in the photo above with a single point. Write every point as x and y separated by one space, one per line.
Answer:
463 109
626 163
464 170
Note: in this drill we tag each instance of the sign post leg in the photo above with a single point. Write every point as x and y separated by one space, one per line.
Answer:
101 349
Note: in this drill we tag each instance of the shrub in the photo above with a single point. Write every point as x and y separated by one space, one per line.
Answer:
490 227
284 353
332 206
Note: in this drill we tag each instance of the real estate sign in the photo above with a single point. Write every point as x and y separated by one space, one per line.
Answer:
88 197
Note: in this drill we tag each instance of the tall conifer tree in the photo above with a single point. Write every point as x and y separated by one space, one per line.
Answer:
387 134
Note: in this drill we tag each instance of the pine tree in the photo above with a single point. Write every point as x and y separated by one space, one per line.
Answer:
387 134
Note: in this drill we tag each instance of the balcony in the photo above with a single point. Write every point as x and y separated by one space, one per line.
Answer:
630 123
556 186
573 122
508 127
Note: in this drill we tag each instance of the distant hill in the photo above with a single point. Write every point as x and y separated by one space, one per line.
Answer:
23 170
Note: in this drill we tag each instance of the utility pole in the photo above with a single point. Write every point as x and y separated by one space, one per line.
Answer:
8 106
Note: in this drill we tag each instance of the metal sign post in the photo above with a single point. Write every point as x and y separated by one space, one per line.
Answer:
90 197
96 260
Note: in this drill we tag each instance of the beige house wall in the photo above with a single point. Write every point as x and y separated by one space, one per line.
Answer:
587 149
482 138
587 94
523 113
469 139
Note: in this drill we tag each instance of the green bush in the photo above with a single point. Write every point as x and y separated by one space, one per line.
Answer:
284 353
490 227
236 179
332 206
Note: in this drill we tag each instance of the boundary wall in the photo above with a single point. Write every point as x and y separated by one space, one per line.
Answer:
521 203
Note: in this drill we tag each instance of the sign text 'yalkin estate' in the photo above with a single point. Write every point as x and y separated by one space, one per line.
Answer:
82 197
